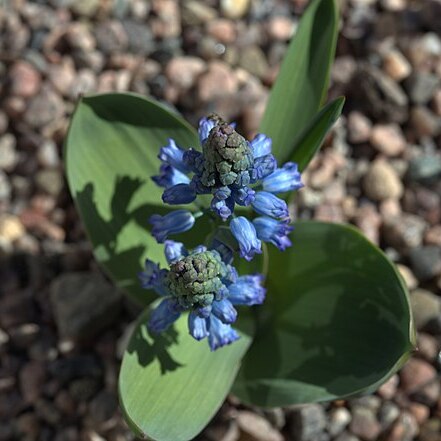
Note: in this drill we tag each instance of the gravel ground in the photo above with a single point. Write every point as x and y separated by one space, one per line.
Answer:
380 169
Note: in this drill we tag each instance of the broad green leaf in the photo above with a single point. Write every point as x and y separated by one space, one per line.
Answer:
337 320
313 136
171 385
302 82
111 153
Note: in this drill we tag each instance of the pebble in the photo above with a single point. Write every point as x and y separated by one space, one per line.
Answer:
8 154
32 378
426 262
421 87
50 181
44 108
425 122
404 232
388 389
62 76
426 308
382 182
254 61
5 187
387 414
388 139
139 36
184 71
359 127
257 428
420 412
369 221
307 422
25 80
409 278
396 65
338 419
416 375
219 80
234 8
280 28
405 429
111 37
425 169
346 436
364 424
84 304
222 30
433 236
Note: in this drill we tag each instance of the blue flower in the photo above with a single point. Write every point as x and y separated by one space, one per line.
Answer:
199 282
283 179
174 222
273 231
163 315
247 290
263 166
174 251
173 155
261 145
269 205
220 334
222 207
205 126
244 196
179 194
245 233
169 176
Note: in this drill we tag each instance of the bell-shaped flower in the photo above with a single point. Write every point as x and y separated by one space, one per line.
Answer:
247 290
163 315
220 334
273 231
179 194
174 222
267 204
286 178
261 145
245 233
169 176
173 155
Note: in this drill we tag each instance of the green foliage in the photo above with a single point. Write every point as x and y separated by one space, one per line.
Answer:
337 320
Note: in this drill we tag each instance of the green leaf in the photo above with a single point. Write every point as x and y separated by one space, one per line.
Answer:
313 136
302 82
337 320
171 385
111 153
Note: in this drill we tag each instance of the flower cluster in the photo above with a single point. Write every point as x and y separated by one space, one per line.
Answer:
234 171
203 281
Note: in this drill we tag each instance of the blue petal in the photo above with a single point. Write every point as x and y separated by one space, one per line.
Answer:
261 145
247 290
194 160
169 176
224 250
220 334
163 316
205 126
224 311
269 205
174 222
179 194
198 186
153 278
174 251
197 326
245 233
173 155
223 207
273 231
244 196
263 167
287 178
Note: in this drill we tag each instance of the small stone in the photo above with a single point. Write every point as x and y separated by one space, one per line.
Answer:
140 38
428 346
46 410
280 28
50 181
339 418
4 122
388 139
420 412
47 154
195 13
32 377
364 424
223 431
346 436
382 182
254 61
421 87
390 208
234 8
416 374
387 414
5 187
83 304
62 76
359 127
25 79
369 221
430 430
307 422
184 71
8 153
111 37
44 108
404 232
388 390
396 65
425 122
11 227
216 82
84 389
24 335
425 169
433 236
426 308
408 276
405 429
28 426
436 102
256 427
103 407
426 262
85 82
222 30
